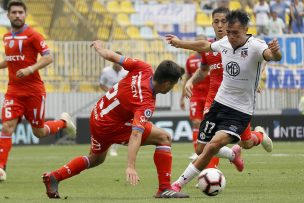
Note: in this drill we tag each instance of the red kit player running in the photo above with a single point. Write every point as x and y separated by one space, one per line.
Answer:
121 117
25 95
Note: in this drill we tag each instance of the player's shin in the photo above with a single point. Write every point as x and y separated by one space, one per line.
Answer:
163 163
5 147
74 167
190 172
225 152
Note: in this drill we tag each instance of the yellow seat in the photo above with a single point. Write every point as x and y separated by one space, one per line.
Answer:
113 6
234 5
123 19
97 7
203 19
3 30
87 87
103 33
49 87
127 7
133 32
252 30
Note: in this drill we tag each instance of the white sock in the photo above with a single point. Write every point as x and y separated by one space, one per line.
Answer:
226 152
190 173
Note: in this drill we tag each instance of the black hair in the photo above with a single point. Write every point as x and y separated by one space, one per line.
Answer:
16 3
221 10
118 52
238 15
168 71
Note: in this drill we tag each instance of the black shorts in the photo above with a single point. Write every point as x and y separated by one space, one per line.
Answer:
223 118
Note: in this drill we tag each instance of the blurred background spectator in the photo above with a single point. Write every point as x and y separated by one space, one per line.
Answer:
297 16
275 25
261 13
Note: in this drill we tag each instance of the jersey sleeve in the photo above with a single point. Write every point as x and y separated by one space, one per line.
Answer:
215 46
130 64
141 117
260 46
40 44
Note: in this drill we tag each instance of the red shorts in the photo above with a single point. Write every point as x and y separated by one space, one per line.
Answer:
32 107
196 108
101 140
246 135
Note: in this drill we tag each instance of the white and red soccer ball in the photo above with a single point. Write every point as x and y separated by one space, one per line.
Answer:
211 181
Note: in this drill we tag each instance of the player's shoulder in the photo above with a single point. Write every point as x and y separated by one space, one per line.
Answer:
256 42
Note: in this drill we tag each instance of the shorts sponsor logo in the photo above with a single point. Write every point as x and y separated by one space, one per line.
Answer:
148 113
233 128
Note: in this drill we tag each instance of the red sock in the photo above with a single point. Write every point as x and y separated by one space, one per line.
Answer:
194 136
5 148
74 167
213 162
163 163
256 137
54 126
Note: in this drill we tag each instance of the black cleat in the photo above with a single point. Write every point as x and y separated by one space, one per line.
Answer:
51 185
168 193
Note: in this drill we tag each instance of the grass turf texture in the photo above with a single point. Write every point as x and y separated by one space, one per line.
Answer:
267 177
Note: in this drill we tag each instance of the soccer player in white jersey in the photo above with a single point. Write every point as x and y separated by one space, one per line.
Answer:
231 112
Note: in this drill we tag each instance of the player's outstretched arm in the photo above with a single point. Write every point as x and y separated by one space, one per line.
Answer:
133 147
198 45
42 63
3 64
105 53
273 52
182 101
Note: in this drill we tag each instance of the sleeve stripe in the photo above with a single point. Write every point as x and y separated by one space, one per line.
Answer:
138 128
46 52
121 60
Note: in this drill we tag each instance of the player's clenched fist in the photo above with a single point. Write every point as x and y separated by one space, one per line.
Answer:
274 46
98 45
132 176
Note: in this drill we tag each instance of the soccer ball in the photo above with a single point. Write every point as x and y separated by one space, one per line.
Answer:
2 175
211 181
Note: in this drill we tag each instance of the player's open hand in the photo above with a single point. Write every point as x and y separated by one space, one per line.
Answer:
98 45
132 176
172 40
188 89
274 46
24 72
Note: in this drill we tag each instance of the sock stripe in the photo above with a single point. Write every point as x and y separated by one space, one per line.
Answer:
5 137
88 161
163 148
48 128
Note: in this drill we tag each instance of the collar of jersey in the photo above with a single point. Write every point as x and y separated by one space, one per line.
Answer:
249 36
20 31
151 86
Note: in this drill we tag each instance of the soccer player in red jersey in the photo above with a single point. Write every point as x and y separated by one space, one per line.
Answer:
198 98
121 117
25 95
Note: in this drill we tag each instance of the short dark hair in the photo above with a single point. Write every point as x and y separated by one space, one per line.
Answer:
238 15
16 3
118 52
168 71
220 10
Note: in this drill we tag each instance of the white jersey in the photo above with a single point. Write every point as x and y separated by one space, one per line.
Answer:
109 77
241 76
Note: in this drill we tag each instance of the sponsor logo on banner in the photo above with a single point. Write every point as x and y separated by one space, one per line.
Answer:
282 77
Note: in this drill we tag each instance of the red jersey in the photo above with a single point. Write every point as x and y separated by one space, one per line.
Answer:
214 61
21 51
131 100
200 89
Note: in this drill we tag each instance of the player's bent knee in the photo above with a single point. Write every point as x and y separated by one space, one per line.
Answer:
246 144
165 139
96 159
39 132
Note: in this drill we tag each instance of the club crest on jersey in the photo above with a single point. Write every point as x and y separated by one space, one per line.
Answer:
11 43
148 113
244 53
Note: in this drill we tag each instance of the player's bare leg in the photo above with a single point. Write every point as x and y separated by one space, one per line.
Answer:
163 162
74 167
8 127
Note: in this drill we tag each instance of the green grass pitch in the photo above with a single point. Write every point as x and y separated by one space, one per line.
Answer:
267 177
